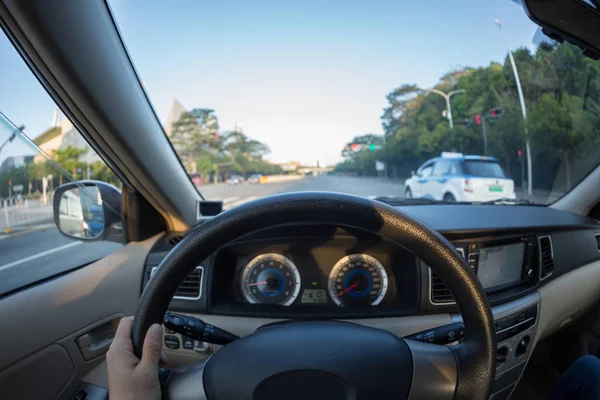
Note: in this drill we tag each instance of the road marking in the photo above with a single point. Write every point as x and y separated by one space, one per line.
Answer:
242 201
42 254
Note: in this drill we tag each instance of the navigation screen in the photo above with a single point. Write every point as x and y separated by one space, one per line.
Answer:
500 265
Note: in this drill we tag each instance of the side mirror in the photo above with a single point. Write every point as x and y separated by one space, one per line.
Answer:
89 211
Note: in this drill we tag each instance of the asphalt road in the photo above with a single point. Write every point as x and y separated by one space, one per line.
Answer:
233 195
40 251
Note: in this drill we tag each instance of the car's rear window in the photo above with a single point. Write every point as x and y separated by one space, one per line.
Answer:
488 169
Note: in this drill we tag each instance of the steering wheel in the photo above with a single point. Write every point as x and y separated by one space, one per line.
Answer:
327 359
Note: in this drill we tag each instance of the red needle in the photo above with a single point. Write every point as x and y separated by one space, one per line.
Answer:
257 283
346 290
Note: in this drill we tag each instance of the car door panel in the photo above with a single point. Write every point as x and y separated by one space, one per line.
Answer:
41 320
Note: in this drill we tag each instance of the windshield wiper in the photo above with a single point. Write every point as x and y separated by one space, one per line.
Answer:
402 201
505 200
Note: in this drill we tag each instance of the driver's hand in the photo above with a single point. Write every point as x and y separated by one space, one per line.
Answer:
128 377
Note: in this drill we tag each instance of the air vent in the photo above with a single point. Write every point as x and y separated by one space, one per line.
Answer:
546 256
597 236
440 294
191 287
173 240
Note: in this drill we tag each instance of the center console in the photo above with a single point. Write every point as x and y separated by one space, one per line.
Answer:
516 327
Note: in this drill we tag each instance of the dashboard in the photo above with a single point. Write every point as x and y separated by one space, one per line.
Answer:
321 271
525 257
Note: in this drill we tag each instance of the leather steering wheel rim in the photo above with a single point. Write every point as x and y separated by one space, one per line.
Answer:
475 356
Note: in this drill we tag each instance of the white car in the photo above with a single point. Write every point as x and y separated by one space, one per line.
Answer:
454 177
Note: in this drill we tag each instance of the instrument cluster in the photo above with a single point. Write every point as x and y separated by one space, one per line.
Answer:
314 272
355 280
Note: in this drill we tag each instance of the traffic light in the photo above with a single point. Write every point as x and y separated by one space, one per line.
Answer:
519 153
496 112
478 119
372 147
354 146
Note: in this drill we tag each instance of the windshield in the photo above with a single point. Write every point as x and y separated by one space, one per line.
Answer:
485 169
354 97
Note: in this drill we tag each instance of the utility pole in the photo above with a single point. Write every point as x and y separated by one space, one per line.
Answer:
446 97
523 109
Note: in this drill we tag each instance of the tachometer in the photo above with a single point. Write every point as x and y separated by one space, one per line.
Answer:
358 280
270 278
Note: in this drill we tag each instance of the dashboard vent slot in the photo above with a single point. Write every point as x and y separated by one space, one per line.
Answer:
173 240
597 236
546 256
191 287
440 294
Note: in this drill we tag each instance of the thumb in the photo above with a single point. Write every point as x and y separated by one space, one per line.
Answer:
152 347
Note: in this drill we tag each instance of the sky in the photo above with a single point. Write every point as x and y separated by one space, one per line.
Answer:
303 77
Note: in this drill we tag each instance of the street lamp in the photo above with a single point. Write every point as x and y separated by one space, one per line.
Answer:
523 109
12 136
446 97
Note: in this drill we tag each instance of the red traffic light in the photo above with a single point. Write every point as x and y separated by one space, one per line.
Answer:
478 119
519 153
496 111
354 146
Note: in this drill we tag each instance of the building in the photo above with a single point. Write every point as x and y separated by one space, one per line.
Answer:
174 114
15 162
60 136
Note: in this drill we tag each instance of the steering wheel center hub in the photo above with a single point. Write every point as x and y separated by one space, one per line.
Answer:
317 360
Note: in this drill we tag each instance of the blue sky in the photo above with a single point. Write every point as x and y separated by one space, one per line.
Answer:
303 77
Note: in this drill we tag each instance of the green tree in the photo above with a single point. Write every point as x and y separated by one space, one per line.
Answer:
68 158
194 132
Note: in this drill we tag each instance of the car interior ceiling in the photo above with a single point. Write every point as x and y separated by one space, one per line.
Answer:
58 327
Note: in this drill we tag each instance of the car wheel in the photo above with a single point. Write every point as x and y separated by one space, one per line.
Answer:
408 194
449 198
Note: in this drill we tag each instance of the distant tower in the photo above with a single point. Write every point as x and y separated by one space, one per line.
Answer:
56 118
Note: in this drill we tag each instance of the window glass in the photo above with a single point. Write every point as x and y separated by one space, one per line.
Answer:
483 168
343 90
40 149
442 167
426 171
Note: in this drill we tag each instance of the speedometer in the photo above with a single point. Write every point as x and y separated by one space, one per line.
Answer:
358 280
272 279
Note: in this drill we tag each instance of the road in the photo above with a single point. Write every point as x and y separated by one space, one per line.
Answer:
233 195
39 251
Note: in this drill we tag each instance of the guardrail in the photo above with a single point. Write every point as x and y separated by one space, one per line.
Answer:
28 213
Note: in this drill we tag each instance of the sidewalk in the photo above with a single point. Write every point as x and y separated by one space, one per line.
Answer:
21 216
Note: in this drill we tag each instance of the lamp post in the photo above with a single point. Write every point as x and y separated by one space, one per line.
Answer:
523 109
446 97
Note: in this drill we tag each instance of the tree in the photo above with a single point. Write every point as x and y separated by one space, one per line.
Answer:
68 159
194 132
562 94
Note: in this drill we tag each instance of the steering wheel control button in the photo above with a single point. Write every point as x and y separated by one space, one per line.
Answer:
197 329
172 342
441 335
188 342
